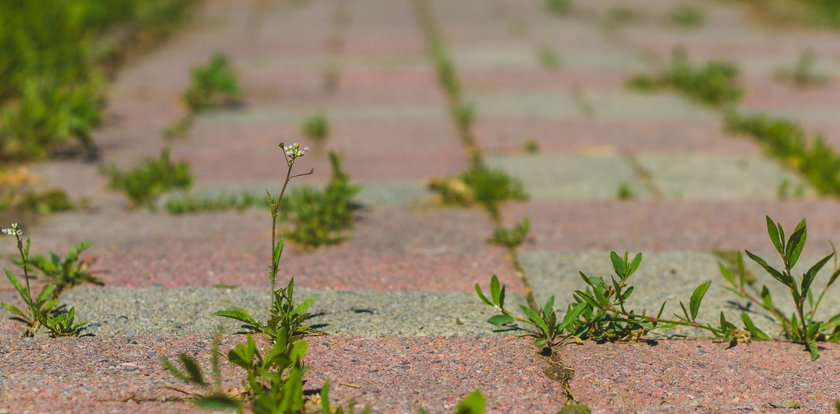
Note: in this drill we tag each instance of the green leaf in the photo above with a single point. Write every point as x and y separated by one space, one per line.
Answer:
495 290
618 264
796 243
833 277
774 235
239 314
766 297
634 265
278 251
811 274
481 296
192 369
754 331
586 298
813 349
303 306
697 298
548 307
784 279
473 403
724 271
536 319
325 398
218 402
18 286
501 320
11 308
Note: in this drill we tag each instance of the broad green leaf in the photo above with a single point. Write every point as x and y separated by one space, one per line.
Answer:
495 289
238 314
833 277
697 298
572 315
18 286
796 243
634 265
278 251
548 308
766 297
471 404
11 308
539 322
501 320
586 298
813 349
303 306
618 264
754 331
724 271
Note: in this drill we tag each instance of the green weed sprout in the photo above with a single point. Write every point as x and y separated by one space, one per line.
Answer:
212 85
558 6
65 272
548 58
803 74
687 16
316 128
625 191
532 147
513 237
714 83
151 178
801 326
42 310
486 186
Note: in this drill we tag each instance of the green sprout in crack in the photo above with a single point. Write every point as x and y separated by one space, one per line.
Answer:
482 185
714 83
316 127
513 237
802 325
532 147
558 7
549 59
212 85
151 178
65 272
687 16
625 191
804 73
41 310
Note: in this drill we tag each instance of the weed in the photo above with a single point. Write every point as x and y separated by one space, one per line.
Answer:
188 203
599 312
65 272
803 74
787 141
801 326
212 85
480 184
179 129
625 191
151 178
464 115
445 68
321 217
512 237
618 15
558 6
532 147
687 16
786 191
549 59
714 83
316 127
42 310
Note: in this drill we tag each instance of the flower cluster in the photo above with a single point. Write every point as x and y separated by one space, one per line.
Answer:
294 151
14 230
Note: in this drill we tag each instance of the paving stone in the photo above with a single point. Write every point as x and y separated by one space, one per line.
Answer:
670 277
189 311
552 176
721 176
702 377
669 224
526 105
425 248
392 374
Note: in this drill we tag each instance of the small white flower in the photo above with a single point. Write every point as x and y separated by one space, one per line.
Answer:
14 230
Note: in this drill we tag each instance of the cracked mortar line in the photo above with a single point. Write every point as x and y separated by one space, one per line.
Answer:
642 174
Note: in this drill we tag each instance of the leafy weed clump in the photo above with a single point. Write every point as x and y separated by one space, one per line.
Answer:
714 83
801 325
482 185
189 203
549 59
787 141
316 128
212 85
151 178
513 237
687 16
65 272
321 217
41 310
803 74
558 7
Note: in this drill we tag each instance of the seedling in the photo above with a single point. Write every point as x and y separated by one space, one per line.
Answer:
802 325
322 217
316 128
687 16
803 74
213 85
548 59
65 272
625 191
512 237
201 202
558 6
464 115
151 178
40 310
714 83
480 184
532 147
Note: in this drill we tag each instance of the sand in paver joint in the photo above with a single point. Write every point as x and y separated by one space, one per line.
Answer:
400 327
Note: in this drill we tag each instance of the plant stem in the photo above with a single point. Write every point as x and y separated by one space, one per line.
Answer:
274 214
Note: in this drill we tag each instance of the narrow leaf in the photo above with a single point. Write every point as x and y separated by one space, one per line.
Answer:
697 298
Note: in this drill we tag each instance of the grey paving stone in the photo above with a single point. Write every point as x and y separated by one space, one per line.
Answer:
721 176
284 115
646 106
553 176
535 105
669 276
188 311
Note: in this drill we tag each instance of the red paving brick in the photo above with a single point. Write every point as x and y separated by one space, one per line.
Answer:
392 374
427 249
671 224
